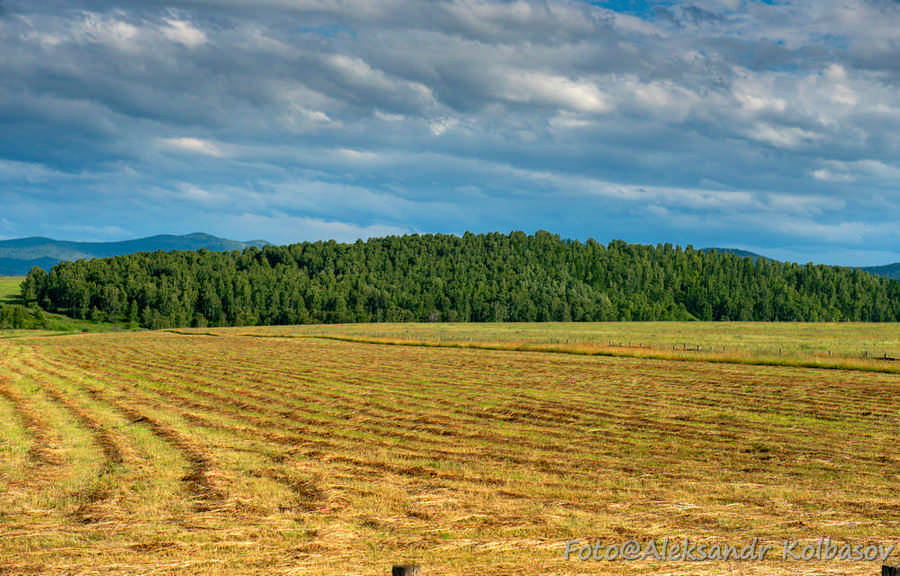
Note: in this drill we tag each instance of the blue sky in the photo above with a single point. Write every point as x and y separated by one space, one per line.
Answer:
768 126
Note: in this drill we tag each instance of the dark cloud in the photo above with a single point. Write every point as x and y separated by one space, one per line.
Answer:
698 121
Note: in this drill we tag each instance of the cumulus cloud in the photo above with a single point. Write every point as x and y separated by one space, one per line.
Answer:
690 121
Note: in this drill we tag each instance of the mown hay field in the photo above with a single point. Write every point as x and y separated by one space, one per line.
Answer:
224 452
843 345
743 340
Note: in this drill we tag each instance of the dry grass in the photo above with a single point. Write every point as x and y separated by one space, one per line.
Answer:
234 454
844 346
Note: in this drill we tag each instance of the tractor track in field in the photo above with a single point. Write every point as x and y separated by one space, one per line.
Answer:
301 438
547 413
275 402
44 450
328 451
295 435
112 446
202 476
307 492
203 479
90 509
328 457
408 425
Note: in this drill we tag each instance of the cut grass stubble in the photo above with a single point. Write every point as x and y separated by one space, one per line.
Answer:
336 456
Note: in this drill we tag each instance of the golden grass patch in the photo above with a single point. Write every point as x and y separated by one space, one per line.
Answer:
234 454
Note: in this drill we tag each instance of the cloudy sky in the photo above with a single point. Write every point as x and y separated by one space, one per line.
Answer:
772 126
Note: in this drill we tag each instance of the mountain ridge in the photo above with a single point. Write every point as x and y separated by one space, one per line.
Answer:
886 270
19 255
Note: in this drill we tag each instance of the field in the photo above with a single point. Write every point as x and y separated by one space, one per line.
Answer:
300 451
845 345
9 289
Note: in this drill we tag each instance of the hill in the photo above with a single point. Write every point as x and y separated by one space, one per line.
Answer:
737 252
888 270
473 278
18 257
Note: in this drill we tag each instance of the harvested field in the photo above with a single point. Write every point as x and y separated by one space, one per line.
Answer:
226 453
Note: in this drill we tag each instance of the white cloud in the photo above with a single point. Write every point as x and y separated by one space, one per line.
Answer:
299 119
440 125
389 117
357 155
373 83
874 171
197 194
755 94
358 71
749 111
660 196
664 99
635 25
829 175
567 120
782 136
109 30
803 204
533 87
183 32
194 145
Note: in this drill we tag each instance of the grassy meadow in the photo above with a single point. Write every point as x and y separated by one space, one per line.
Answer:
10 293
9 289
861 346
233 451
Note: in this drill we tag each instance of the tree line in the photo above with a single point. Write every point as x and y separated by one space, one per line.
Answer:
471 278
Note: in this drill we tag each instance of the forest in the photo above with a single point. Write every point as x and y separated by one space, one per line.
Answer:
491 277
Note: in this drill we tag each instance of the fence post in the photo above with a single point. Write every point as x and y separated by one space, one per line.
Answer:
406 570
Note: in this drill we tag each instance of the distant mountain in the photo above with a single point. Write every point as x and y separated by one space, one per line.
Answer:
737 252
16 267
888 270
18 257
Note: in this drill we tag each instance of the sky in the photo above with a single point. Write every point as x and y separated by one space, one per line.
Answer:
772 126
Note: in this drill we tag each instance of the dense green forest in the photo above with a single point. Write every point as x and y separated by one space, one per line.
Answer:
473 278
